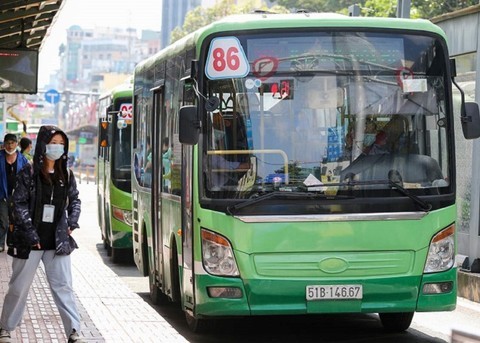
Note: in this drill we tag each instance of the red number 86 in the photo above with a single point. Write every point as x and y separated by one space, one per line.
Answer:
220 61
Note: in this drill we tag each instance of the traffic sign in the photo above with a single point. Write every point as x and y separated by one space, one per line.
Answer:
52 96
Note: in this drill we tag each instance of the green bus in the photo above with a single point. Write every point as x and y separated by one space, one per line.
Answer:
114 196
298 164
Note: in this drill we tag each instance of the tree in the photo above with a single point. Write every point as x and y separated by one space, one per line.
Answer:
429 8
199 16
370 8
380 8
315 5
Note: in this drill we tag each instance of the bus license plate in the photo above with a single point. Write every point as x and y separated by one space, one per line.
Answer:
319 292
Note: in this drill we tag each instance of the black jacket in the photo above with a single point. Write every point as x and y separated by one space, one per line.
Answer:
23 235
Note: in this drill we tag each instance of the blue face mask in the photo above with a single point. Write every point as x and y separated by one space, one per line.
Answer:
54 151
369 139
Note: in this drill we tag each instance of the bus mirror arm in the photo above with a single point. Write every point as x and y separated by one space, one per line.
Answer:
469 116
189 124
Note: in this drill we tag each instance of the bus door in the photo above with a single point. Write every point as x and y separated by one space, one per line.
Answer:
187 226
187 215
156 147
108 161
103 169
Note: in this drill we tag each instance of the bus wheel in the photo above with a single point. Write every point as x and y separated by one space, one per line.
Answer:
175 275
396 322
199 325
156 294
109 250
144 252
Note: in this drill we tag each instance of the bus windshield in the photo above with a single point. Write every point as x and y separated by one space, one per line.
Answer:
328 109
121 155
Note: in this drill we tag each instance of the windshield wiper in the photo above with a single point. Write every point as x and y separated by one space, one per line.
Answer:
394 182
424 206
283 195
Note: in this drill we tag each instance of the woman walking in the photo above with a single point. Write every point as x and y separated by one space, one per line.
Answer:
46 209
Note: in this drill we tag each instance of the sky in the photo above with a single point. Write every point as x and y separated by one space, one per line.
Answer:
139 14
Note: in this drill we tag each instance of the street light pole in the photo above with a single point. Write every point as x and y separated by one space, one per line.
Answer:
403 8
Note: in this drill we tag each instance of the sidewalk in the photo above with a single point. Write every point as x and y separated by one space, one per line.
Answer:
110 310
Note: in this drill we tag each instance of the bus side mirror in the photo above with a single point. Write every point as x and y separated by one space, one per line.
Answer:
471 121
189 125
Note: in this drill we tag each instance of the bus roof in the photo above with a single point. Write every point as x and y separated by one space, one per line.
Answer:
122 90
256 21
245 22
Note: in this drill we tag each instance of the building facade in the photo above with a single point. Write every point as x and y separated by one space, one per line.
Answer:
90 54
173 15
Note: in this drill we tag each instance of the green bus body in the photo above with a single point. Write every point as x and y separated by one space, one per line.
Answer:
278 264
367 235
114 197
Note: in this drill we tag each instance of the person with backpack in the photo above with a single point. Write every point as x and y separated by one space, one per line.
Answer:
11 162
45 209
25 147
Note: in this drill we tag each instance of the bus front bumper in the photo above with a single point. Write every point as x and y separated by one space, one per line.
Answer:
288 297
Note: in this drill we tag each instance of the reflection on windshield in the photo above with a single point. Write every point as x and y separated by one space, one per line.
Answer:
122 154
346 110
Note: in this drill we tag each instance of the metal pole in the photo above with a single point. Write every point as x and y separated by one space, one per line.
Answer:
403 8
3 109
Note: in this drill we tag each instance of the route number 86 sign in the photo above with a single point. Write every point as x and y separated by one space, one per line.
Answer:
226 59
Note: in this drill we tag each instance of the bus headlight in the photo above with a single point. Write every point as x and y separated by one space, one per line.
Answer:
441 253
217 255
125 216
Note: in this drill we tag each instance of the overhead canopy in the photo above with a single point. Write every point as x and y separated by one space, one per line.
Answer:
26 23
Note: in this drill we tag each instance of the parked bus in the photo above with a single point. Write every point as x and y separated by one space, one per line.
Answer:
114 172
298 164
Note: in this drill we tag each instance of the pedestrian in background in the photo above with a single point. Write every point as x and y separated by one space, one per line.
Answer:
11 161
25 147
46 209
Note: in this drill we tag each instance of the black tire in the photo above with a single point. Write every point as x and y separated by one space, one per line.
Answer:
176 294
116 255
156 294
199 325
146 266
396 322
